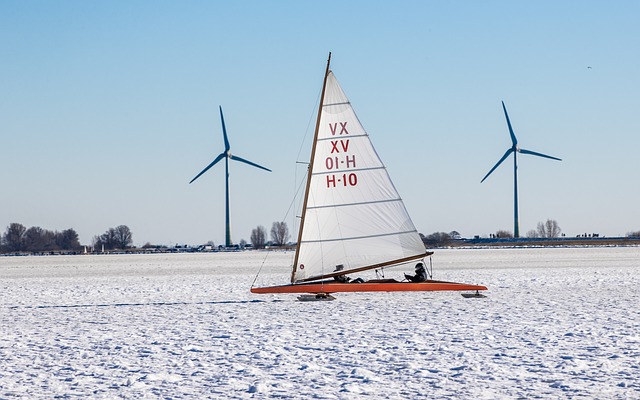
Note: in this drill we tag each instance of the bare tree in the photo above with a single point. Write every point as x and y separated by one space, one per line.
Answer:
114 238
123 237
96 242
531 234
436 239
258 237
38 239
107 240
13 238
279 233
549 229
68 240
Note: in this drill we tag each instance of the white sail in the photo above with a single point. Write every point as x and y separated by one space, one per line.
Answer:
354 216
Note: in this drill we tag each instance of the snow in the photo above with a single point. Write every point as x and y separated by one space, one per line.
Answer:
557 323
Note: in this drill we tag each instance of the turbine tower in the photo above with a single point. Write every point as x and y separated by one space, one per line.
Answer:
515 150
226 154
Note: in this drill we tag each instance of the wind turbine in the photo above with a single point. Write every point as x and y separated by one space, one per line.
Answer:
515 150
226 154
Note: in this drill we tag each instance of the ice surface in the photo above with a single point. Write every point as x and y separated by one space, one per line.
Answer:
557 323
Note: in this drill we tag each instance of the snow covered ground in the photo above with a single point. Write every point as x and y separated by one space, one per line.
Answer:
557 323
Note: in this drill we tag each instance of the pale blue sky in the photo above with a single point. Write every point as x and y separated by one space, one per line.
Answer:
109 109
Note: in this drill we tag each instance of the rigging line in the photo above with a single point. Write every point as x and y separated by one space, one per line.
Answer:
294 200
311 161
264 260
295 227
283 219
311 119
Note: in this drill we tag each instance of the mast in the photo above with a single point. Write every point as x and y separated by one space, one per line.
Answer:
310 171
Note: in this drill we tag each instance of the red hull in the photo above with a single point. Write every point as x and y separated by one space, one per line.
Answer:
370 286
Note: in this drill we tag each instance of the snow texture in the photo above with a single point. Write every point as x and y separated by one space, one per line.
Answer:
557 323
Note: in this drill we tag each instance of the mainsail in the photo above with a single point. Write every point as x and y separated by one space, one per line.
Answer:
353 215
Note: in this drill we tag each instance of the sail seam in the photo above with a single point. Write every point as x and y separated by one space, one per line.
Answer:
358 237
356 204
350 136
336 104
345 170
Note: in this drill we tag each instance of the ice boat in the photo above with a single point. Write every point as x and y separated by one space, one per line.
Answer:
353 218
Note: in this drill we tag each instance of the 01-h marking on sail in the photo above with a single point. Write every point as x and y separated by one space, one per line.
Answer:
335 162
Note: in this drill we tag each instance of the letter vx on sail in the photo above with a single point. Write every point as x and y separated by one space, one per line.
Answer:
353 219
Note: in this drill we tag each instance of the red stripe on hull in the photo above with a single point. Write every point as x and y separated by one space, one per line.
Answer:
336 287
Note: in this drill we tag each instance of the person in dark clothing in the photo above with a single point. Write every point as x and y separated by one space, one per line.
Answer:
344 278
420 276
341 278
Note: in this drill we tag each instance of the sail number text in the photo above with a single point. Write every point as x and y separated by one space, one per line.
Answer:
342 179
340 159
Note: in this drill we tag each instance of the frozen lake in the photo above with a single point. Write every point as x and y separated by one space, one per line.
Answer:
557 323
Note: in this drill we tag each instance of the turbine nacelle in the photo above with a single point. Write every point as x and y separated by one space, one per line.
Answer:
515 147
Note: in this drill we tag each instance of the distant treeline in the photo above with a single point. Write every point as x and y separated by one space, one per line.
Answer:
17 238
548 233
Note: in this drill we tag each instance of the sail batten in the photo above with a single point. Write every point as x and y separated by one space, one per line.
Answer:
331 138
356 204
349 169
336 104
346 239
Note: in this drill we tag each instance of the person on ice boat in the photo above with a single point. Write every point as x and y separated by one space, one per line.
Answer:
344 278
420 276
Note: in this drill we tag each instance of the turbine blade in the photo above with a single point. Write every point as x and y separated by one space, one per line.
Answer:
504 157
513 136
533 153
224 132
220 157
249 162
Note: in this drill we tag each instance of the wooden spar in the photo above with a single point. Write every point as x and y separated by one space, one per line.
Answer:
369 286
381 265
310 171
